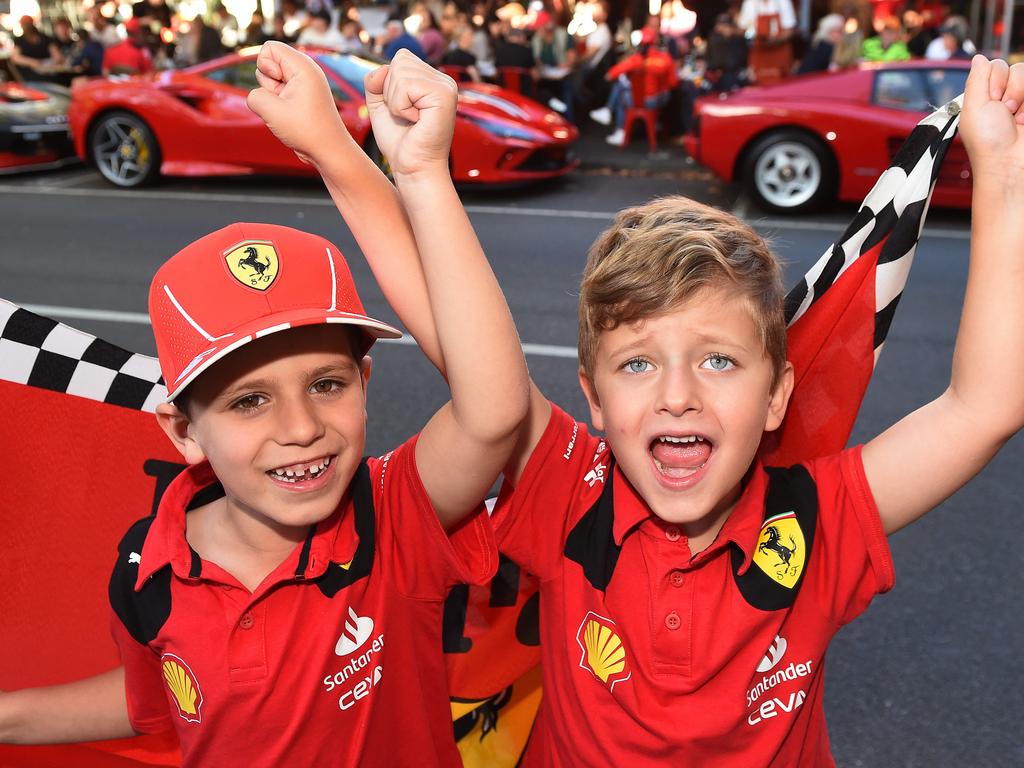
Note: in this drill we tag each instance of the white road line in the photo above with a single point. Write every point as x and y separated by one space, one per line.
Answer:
81 313
837 228
834 228
224 197
141 318
554 213
156 196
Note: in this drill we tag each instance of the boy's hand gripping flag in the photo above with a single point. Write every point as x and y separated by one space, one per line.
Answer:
87 465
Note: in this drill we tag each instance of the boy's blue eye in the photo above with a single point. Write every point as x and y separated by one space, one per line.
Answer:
637 365
718 363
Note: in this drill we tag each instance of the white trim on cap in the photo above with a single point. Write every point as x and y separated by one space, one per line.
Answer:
386 331
201 362
193 323
334 282
273 329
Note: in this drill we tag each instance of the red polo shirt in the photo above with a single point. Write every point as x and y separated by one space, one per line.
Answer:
334 660
654 658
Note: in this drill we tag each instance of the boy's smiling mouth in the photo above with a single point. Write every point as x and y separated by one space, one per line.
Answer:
303 472
680 457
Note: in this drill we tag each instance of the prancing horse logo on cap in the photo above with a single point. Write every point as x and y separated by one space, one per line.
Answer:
253 263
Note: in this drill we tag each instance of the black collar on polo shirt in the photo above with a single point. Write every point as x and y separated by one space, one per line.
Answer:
332 540
741 528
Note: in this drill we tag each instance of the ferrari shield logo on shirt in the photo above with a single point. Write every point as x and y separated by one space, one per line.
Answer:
781 551
603 654
184 687
254 264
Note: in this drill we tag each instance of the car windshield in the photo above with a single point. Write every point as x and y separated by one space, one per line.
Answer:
350 67
918 90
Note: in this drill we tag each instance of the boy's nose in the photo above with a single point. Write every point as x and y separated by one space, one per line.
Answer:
678 393
298 422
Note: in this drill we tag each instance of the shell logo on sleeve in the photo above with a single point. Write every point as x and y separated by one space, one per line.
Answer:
254 264
781 550
184 687
603 654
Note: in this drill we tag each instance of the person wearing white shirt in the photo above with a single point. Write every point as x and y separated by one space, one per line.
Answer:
320 33
771 23
951 42
598 42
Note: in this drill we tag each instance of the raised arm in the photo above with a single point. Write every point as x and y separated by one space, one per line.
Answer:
466 444
296 104
86 710
927 456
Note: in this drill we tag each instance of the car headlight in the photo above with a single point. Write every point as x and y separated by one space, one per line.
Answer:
505 130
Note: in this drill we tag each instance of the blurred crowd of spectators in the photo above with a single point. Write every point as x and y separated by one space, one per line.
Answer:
568 56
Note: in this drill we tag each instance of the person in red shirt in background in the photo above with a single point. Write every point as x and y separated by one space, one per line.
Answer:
130 56
659 79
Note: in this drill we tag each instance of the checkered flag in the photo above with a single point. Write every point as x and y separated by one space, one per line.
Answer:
887 225
840 312
40 352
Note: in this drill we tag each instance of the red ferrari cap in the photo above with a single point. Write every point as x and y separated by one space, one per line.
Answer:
243 282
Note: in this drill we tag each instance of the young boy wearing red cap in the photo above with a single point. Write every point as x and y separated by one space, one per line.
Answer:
689 593
284 605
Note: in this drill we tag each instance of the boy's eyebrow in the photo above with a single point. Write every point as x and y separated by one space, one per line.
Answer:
342 366
621 350
710 338
704 338
244 386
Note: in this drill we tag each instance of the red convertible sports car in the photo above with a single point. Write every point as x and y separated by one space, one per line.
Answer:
194 122
815 138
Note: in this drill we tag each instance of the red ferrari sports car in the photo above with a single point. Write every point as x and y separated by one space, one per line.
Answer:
816 138
194 122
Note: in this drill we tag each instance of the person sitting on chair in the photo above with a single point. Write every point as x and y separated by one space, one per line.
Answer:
659 78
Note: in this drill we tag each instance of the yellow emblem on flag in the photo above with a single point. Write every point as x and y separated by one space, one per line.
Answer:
604 655
781 550
254 264
183 686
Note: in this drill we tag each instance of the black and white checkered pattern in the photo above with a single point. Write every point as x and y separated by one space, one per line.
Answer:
40 352
894 212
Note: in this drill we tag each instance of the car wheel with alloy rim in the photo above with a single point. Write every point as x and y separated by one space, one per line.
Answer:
124 149
790 172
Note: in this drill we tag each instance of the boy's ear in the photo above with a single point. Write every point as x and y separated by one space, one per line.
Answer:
365 369
779 398
590 392
176 425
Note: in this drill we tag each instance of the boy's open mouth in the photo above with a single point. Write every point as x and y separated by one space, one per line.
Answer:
679 456
294 473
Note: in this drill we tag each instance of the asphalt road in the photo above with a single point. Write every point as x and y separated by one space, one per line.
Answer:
930 676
